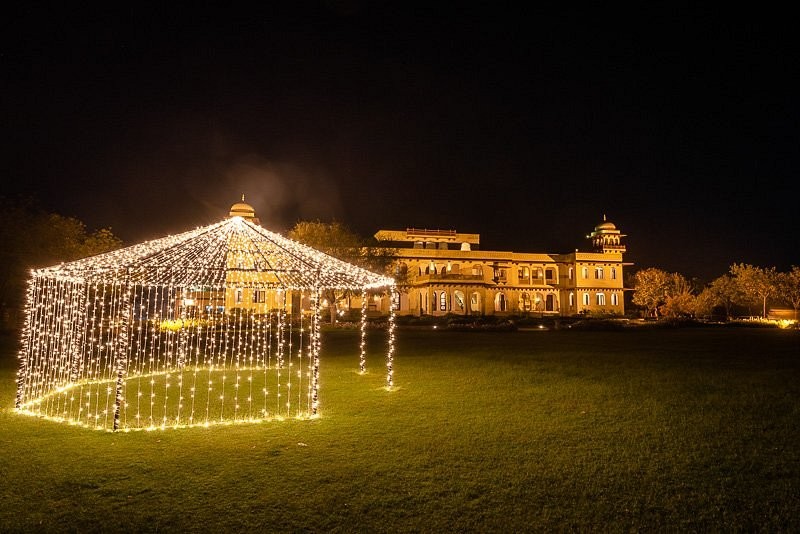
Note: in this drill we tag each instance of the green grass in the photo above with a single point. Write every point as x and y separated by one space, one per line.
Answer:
686 429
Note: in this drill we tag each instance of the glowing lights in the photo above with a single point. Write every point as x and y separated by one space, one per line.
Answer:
218 325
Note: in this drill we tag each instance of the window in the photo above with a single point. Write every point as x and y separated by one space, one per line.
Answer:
525 302
396 300
585 272
537 272
238 296
586 299
570 275
549 275
613 273
459 298
259 295
500 302
434 301
598 273
614 299
523 273
443 301
571 299
601 299
475 302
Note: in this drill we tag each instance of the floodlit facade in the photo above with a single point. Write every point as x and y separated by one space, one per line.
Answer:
443 272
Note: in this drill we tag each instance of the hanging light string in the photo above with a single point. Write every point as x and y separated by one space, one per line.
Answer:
362 364
144 338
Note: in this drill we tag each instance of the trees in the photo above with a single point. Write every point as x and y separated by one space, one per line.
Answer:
336 240
650 289
789 287
725 292
756 283
670 294
32 238
679 299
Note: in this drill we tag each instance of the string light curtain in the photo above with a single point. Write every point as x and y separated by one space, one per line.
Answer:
220 324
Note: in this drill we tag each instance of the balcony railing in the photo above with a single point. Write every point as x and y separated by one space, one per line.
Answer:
448 276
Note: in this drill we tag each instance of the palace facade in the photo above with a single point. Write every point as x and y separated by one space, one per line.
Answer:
444 271
441 272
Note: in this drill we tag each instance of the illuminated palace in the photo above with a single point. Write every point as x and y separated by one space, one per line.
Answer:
442 271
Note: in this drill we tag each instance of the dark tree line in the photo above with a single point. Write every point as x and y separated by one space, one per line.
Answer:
31 238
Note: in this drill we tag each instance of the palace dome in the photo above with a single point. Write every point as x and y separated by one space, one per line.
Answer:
606 225
242 209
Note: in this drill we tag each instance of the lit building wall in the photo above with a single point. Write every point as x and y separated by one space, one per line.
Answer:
443 272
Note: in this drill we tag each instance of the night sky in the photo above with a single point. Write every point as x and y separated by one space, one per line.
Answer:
523 126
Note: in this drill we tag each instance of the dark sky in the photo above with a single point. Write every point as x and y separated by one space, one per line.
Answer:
521 125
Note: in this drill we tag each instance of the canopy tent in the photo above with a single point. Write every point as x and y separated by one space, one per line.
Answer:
218 324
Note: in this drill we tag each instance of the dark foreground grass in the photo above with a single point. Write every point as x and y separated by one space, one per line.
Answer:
655 430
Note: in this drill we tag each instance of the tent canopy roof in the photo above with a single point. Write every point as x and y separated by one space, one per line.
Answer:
233 252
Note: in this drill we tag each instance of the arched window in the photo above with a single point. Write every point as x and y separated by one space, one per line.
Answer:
586 299
586 272
598 273
571 274
613 273
459 300
434 301
601 299
538 302
475 302
571 300
550 302
525 302
500 302
443 301
239 297
614 299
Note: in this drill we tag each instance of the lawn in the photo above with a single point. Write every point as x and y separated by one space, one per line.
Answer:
684 429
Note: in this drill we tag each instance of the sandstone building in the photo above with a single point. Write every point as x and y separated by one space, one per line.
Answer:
441 272
444 271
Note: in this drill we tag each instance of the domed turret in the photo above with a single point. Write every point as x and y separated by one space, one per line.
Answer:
244 210
606 238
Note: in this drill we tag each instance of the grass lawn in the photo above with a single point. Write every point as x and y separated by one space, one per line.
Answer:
686 429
